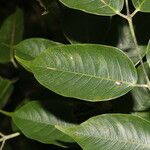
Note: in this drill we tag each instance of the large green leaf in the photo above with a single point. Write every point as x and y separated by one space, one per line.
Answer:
10 34
98 7
38 123
141 95
148 53
28 49
115 132
6 89
88 72
142 5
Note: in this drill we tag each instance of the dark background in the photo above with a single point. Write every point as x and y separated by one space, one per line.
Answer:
58 23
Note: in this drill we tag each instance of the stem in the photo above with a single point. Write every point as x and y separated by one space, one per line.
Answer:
129 19
142 85
137 48
122 15
5 113
127 7
4 138
134 13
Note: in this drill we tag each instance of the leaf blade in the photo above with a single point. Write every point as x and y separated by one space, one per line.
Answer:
11 33
141 95
142 5
37 123
98 7
82 71
111 131
28 49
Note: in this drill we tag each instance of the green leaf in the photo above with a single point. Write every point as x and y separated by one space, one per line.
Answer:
142 5
6 89
141 95
98 7
115 132
28 49
148 53
11 33
37 123
88 72
144 115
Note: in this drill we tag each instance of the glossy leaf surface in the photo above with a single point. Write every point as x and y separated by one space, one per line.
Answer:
142 5
98 7
88 72
115 132
39 124
28 49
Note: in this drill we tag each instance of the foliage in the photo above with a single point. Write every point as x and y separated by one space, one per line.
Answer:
89 90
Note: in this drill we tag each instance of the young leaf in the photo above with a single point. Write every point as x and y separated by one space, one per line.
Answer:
6 89
142 5
28 49
10 34
98 7
39 124
148 53
141 95
115 132
88 72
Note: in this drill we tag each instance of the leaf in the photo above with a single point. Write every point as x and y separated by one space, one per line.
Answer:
141 95
142 5
28 49
115 132
98 7
144 115
126 43
148 53
39 124
11 33
88 72
6 89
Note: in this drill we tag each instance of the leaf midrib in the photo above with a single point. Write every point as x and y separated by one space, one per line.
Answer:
108 5
87 75
141 4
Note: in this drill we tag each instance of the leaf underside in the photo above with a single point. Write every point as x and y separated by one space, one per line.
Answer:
115 132
88 72
98 7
